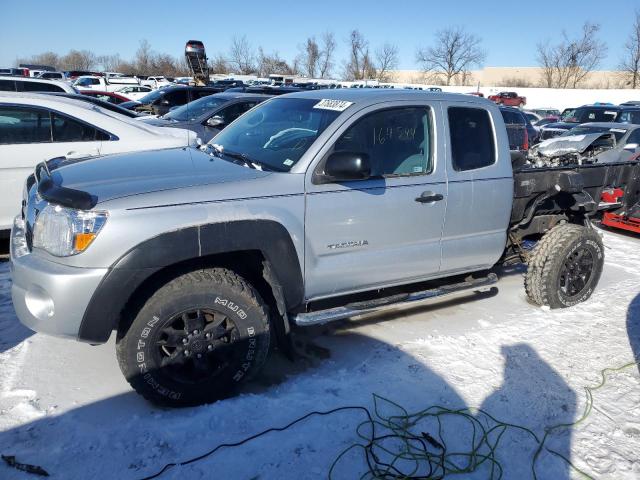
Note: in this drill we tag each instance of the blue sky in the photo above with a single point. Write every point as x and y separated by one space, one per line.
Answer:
509 31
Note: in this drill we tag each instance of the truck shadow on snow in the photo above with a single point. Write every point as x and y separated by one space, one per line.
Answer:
633 328
125 437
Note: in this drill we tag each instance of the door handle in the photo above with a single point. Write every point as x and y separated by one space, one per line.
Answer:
429 197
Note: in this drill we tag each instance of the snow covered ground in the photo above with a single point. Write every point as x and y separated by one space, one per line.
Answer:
65 406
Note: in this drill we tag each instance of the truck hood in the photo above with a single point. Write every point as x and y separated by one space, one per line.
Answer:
122 175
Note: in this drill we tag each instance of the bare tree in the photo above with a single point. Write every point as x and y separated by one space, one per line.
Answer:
567 63
327 52
143 57
79 60
630 63
110 63
454 52
386 60
359 66
272 63
218 64
309 57
241 56
50 59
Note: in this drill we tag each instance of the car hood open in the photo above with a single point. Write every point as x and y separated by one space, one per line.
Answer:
116 176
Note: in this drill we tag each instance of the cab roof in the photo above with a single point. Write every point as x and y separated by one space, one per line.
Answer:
370 96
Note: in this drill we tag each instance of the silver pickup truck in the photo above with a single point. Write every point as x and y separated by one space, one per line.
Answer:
311 207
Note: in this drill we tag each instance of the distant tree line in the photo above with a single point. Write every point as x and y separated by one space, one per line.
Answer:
565 61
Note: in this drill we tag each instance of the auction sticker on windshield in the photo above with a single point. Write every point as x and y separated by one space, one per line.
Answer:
335 105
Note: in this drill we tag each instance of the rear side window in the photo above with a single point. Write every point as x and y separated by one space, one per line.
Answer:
24 125
177 97
397 140
40 87
472 144
66 129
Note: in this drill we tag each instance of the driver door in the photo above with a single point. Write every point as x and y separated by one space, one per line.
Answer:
366 234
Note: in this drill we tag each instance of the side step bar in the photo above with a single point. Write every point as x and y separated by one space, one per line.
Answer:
360 308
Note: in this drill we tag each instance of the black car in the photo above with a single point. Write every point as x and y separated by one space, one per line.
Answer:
520 132
160 101
208 115
590 114
225 84
96 101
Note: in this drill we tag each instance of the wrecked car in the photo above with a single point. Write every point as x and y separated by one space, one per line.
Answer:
603 142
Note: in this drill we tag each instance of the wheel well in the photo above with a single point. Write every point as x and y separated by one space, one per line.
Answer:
249 264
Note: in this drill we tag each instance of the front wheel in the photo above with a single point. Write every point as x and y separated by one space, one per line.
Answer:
195 339
565 266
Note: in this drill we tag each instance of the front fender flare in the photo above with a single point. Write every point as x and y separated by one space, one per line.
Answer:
149 257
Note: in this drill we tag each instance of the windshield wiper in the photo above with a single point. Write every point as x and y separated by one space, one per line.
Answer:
245 159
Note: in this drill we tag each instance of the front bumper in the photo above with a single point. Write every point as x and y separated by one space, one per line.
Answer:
49 297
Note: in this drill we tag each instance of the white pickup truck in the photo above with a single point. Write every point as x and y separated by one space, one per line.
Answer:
89 82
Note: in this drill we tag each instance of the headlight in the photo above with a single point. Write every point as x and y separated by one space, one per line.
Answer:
64 232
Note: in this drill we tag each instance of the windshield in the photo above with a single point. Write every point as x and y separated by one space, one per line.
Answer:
151 97
277 132
585 130
84 82
586 114
195 109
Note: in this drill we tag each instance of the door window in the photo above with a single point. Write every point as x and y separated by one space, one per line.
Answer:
234 111
40 87
24 125
7 86
472 142
66 129
397 141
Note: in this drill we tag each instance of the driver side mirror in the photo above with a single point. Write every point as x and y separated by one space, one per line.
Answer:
341 166
215 121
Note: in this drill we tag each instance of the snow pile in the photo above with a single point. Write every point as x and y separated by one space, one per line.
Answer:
65 407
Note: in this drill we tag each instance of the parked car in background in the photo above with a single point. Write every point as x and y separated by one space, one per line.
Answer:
156 82
589 114
34 127
112 107
73 74
104 84
631 103
546 112
508 99
545 121
25 84
52 76
160 101
225 84
134 92
476 94
208 115
111 97
533 117
17 72
520 132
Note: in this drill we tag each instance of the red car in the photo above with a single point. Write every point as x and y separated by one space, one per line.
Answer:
110 97
509 99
